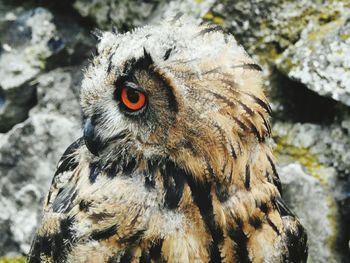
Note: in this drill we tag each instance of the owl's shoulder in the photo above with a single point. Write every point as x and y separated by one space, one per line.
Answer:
62 185
295 234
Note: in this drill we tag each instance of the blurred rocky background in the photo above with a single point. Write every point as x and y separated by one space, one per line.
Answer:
303 47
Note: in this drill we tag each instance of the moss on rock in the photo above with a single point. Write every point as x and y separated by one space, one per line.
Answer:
19 259
302 155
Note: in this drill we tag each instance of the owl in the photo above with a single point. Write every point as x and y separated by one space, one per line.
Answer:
175 162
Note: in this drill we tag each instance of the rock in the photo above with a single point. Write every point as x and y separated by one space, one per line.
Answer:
125 15
314 207
78 40
193 9
306 40
56 93
30 150
319 58
330 144
28 41
323 152
28 154
264 28
35 41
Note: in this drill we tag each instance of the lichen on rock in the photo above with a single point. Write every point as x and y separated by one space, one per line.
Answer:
319 58
306 40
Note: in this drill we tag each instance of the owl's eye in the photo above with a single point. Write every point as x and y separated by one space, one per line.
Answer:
132 99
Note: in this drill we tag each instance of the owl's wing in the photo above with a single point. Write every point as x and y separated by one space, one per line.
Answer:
62 188
295 234
58 200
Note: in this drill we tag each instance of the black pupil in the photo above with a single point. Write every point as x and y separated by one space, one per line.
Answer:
133 96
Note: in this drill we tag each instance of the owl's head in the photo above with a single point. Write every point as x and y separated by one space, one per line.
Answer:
174 91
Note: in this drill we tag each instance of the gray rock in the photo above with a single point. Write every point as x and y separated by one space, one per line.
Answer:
319 59
56 93
194 9
264 28
123 14
30 151
78 40
306 40
331 145
30 38
28 154
324 153
128 14
314 206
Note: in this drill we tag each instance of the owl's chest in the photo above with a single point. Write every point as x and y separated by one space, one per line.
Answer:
130 203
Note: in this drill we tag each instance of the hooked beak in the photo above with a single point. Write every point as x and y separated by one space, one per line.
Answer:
91 141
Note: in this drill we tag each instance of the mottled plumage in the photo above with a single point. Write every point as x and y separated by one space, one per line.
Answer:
186 177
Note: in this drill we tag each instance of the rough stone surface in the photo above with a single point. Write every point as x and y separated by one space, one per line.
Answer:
128 14
28 154
30 151
56 94
29 39
311 202
32 43
121 14
319 58
330 144
323 152
306 40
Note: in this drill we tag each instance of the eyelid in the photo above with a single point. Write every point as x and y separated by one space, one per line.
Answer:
133 85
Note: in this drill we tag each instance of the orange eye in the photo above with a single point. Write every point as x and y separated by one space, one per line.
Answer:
132 99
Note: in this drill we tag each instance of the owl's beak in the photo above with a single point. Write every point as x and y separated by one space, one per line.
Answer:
91 142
